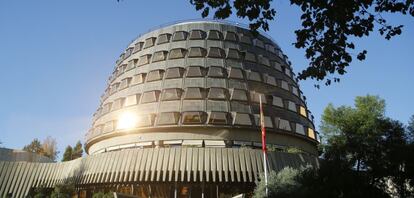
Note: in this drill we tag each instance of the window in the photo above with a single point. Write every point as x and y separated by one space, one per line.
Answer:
287 72
146 120
195 71
295 91
132 100
284 124
164 38
254 76
302 111
179 36
120 70
114 88
277 66
277 101
233 54
149 42
270 80
245 39
242 119
258 43
300 129
215 52
267 121
128 52
218 118
109 126
230 36
138 46
311 133
264 61
196 52
255 97
248 56
197 35
236 73
138 78
291 106
150 96
194 93
217 72
177 53
214 35
194 117
171 94
159 56
238 94
285 85
217 93
125 83
106 107
131 64
175 72
168 118
144 59
118 104
155 75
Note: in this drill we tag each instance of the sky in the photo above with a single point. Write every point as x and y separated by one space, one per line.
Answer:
56 57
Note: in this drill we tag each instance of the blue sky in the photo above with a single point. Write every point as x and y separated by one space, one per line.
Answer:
55 58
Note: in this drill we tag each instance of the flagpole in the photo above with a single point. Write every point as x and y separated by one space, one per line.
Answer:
263 129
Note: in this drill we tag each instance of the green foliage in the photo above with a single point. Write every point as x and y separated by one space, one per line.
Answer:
47 148
103 195
77 150
67 155
328 28
34 147
63 191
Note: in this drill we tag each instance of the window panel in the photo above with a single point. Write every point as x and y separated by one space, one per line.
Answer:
277 66
138 46
149 42
177 53
214 35
196 52
217 93
295 91
118 104
245 39
254 76
168 118
131 64
139 78
264 61
192 93
179 36
159 56
233 54
277 101
217 72
109 126
150 96
215 52
171 94
311 133
106 108
302 111
284 124
195 71
132 100
267 121
164 38
242 119
270 80
197 35
146 120
145 59
230 36
125 83
114 88
176 72
218 118
238 94
194 117
258 43
292 106
251 57
285 85
300 129
155 75
236 73
255 97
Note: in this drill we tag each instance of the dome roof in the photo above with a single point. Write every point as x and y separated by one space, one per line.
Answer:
199 83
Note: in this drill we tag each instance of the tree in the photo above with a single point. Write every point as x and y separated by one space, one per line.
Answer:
67 155
77 150
103 195
34 147
49 146
64 190
327 27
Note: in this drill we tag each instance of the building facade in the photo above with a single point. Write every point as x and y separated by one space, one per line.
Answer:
180 118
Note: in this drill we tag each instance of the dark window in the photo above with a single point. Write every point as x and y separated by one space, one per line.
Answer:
214 35
233 54
218 118
217 93
179 36
264 61
193 117
245 39
259 43
216 72
242 119
176 72
197 35
149 42
277 101
155 75
215 52
164 38
197 52
194 93
248 56
168 118
150 96
171 94
236 73
238 94
144 59
139 78
230 36
177 53
138 46
255 97
254 76
159 56
195 71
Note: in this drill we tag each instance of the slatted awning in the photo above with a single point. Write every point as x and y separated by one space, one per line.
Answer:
179 164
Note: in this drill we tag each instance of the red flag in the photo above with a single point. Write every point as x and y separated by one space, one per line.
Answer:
262 125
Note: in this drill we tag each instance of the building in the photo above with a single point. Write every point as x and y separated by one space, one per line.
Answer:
180 118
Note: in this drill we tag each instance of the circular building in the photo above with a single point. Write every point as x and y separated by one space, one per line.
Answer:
180 118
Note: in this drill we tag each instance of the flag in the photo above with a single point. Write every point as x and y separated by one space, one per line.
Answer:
262 125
